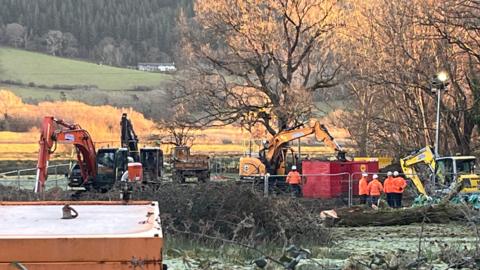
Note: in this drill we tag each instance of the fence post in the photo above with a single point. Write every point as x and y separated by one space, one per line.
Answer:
56 176
265 185
350 191
18 179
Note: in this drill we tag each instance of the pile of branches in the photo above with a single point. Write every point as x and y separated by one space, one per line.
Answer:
225 211
236 212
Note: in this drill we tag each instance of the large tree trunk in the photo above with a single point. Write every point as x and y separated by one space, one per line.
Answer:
443 212
361 216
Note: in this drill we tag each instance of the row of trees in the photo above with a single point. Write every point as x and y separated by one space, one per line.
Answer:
260 62
116 32
396 49
53 42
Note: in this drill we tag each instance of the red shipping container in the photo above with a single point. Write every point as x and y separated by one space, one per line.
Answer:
322 186
333 186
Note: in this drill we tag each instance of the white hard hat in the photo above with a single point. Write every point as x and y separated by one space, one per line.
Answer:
294 167
389 173
365 174
375 176
395 173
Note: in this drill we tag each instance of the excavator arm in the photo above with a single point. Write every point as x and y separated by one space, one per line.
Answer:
68 134
424 156
321 134
129 139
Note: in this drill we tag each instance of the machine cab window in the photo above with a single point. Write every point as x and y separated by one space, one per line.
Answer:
445 172
465 166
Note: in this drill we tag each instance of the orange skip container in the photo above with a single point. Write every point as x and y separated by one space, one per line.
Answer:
105 235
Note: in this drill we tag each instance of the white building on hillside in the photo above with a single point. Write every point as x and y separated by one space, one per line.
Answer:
157 67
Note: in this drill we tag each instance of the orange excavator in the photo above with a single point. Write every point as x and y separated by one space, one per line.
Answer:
93 170
273 157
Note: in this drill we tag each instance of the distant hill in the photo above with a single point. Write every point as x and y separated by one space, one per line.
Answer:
47 71
39 77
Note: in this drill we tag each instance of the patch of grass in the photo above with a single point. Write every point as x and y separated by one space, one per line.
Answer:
27 93
41 69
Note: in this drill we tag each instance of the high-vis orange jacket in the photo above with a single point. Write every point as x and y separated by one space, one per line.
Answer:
294 178
389 185
375 188
399 184
363 186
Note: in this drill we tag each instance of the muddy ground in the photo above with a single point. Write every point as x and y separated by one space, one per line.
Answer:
348 244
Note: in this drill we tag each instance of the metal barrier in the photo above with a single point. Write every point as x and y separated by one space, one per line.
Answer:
25 178
280 183
439 187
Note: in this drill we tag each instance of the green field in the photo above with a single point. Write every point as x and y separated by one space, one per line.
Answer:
41 69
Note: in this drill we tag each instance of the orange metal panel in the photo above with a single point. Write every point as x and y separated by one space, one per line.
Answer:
80 249
84 266
77 203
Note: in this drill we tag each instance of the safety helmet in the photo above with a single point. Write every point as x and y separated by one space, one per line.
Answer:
365 174
395 173
389 173
294 167
375 176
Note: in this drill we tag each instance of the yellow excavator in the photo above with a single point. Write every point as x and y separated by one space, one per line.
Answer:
447 171
272 158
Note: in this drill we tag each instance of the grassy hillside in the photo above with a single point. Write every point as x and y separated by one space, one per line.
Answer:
41 69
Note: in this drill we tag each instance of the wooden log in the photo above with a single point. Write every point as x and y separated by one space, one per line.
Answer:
443 212
363 216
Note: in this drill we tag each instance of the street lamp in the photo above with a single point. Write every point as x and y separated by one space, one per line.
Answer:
439 83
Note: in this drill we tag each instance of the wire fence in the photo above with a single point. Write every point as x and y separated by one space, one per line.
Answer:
25 178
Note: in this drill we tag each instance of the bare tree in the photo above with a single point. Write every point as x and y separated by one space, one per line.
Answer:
264 57
54 39
394 54
180 133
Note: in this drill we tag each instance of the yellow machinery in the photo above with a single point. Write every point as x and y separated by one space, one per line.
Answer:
274 155
447 170
382 161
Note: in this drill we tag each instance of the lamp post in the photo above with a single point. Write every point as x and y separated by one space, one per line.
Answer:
439 84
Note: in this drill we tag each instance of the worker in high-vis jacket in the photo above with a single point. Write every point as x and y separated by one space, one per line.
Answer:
389 189
363 188
399 187
375 189
294 180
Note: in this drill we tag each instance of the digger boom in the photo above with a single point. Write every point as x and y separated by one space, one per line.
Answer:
69 134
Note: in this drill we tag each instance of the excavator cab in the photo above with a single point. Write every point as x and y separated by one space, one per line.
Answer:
449 170
152 160
111 164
